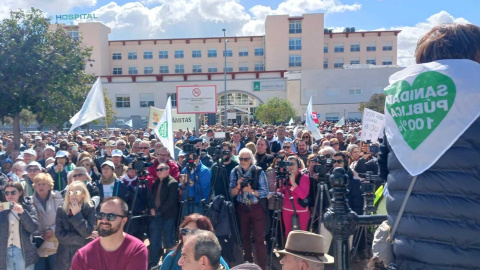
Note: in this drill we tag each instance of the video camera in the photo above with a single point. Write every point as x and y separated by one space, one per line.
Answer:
281 168
371 180
324 166
140 163
253 183
188 146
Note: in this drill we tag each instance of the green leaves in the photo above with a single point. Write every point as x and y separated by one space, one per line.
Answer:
275 110
376 103
42 69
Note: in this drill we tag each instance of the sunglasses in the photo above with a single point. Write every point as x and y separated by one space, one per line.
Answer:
13 193
87 165
185 231
76 192
340 161
78 175
334 144
244 159
269 132
162 169
287 147
305 137
33 170
144 147
110 216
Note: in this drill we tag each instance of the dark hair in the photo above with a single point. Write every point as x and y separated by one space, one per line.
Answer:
229 145
202 222
345 159
449 41
117 200
19 187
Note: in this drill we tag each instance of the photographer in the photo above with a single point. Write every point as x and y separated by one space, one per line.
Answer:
264 160
195 187
354 196
296 186
221 185
163 156
248 182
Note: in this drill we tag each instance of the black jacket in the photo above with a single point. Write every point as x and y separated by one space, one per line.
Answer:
71 232
168 197
119 190
441 223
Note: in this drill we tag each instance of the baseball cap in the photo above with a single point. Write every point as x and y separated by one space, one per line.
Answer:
61 154
38 138
50 147
117 153
34 164
30 151
108 163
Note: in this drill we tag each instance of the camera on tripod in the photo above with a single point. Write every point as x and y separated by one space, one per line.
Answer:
324 166
217 152
281 168
371 180
140 163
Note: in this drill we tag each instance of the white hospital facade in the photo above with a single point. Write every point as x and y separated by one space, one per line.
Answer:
295 59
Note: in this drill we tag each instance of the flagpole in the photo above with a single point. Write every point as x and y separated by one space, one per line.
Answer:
106 122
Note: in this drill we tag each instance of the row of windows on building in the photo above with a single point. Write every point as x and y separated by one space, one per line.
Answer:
296 61
196 68
211 53
147 100
356 47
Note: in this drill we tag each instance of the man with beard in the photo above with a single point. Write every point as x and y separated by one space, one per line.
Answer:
113 249
273 144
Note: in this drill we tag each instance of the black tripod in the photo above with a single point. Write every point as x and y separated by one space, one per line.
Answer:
277 213
142 184
322 189
363 233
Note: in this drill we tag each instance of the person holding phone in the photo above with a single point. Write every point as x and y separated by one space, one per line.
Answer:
75 221
18 220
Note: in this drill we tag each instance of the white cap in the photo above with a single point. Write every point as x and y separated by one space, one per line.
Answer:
30 151
117 153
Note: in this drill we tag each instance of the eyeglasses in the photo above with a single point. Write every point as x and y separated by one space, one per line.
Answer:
185 231
8 193
269 132
244 159
33 170
87 165
166 155
78 175
76 192
144 147
162 169
340 161
110 216
287 147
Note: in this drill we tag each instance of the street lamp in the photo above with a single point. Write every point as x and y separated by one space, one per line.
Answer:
225 74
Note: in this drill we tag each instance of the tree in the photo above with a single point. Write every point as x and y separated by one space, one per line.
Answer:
42 70
108 109
274 111
376 103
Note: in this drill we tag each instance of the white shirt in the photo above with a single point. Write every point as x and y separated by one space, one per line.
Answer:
108 190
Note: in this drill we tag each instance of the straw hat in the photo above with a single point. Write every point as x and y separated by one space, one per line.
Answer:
307 246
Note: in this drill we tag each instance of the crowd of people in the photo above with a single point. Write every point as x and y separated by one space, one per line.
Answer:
207 183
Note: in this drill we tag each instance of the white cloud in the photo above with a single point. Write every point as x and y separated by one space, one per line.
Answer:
51 7
256 26
407 39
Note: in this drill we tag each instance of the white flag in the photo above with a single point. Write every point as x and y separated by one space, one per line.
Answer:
341 122
164 128
291 121
129 123
310 124
92 109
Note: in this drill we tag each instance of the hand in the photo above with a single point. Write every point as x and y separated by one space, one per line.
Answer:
59 168
248 189
1 207
75 207
47 234
239 182
93 235
17 208
183 178
95 170
152 212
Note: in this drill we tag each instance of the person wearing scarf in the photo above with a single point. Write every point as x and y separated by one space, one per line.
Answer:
109 184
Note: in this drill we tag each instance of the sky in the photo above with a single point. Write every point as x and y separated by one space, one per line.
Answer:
147 19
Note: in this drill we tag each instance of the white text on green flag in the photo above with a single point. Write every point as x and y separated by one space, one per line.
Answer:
164 128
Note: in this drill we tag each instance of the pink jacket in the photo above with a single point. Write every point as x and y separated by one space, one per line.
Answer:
300 191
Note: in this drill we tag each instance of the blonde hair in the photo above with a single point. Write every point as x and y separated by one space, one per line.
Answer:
43 177
74 184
